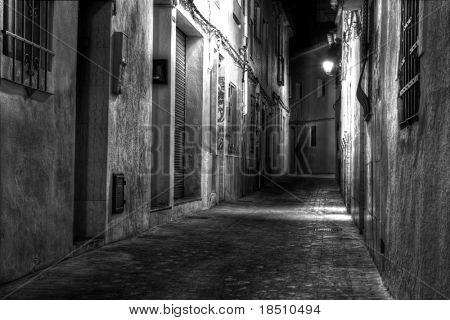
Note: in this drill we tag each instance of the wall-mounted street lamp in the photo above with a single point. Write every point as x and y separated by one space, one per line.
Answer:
334 4
346 4
328 67
331 59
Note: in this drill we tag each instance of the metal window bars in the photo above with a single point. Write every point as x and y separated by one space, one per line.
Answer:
409 62
280 70
252 128
237 12
27 41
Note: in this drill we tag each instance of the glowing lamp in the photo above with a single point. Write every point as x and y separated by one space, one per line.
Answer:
328 66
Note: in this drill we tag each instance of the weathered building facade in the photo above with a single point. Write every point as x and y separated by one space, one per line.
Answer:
394 138
168 107
313 114
37 145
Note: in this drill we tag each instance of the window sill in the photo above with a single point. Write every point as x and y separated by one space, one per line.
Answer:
159 209
186 200
12 87
408 122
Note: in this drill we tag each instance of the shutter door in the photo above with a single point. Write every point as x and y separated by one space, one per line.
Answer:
180 106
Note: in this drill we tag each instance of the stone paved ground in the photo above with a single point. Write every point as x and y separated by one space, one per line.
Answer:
296 243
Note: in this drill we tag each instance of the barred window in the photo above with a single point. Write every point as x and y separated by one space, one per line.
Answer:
257 21
313 136
280 53
251 44
252 123
237 12
409 62
27 42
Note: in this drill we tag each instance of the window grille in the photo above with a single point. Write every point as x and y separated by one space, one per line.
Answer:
251 38
277 37
257 21
409 62
237 12
281 69
252 124
27 41
313 136
280 53
365 35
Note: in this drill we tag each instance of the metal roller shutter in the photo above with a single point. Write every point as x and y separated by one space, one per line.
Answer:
180 108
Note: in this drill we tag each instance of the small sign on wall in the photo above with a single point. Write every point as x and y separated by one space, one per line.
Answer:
160 71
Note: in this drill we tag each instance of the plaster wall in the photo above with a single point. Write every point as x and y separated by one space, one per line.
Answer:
37 144
416 161
407 194
310 108
129 121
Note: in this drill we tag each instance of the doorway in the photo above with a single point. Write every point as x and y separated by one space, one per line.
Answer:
91 135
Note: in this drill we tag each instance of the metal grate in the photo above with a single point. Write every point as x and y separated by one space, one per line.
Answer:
198 217
27 41
409 62
328 229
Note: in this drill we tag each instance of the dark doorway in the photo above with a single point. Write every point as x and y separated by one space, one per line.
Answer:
93 80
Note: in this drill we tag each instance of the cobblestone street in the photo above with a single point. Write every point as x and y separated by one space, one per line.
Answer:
297 243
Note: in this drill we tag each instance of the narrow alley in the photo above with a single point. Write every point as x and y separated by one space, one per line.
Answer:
291 240
225 149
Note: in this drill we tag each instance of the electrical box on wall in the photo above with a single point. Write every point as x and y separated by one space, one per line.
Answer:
120 61
118 193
